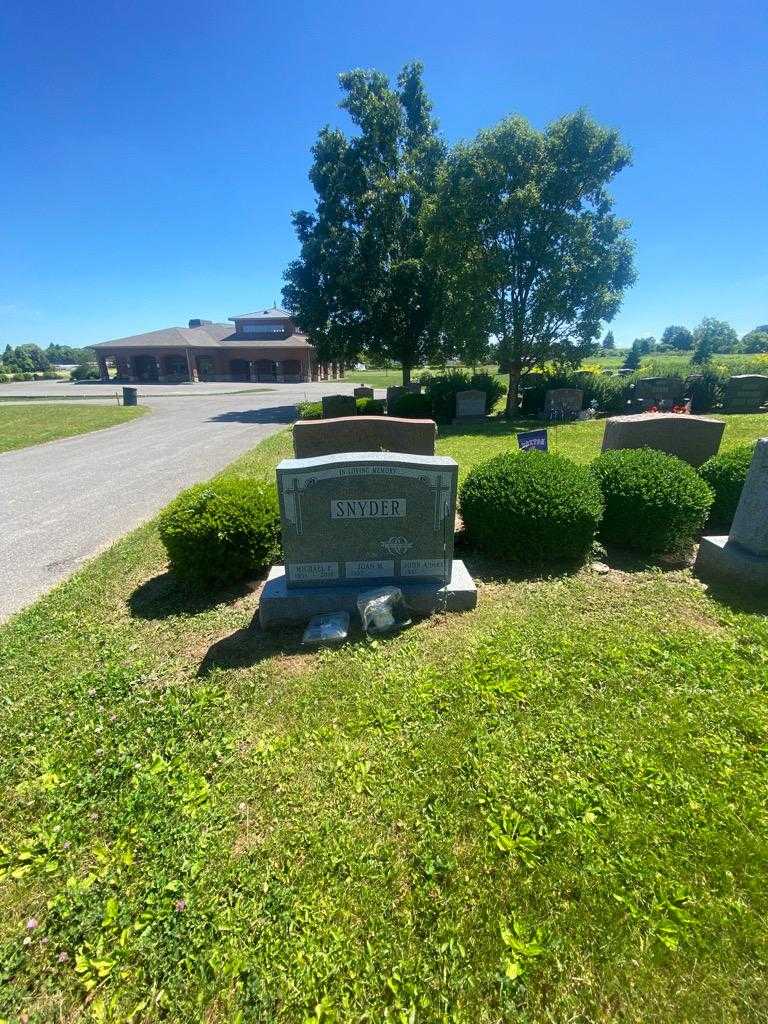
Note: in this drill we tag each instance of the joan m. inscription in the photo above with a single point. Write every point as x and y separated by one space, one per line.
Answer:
368 508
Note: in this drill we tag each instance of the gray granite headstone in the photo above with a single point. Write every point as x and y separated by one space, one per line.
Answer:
367 515
338 405
741 558
359 519
470 404
563 403
745 392
363 392
659 391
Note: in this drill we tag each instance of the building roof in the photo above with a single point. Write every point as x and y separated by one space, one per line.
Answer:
275 313
206 336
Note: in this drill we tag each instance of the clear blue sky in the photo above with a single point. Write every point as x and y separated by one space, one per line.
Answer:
153 151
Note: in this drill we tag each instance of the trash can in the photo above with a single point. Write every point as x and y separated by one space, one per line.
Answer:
130 396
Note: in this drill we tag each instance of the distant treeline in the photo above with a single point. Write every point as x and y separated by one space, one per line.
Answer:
30 358
711 337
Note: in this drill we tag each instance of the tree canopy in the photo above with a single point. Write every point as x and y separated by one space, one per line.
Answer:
755 342
677 338
609 341
713 336
361 281
525 244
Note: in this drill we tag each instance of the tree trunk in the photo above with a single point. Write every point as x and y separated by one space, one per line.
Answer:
406 375
513 394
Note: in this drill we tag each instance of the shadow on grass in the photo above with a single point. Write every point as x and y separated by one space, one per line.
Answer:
493 570
163 596
248 646
738 599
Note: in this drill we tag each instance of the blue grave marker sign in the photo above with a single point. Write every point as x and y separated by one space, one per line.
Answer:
532 439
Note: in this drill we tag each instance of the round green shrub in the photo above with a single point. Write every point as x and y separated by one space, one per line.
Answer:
725 473
369 407
222 532
654 503
310 410
413 406
531 507
84 372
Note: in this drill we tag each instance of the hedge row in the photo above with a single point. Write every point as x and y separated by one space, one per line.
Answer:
530 508
535 507
364 407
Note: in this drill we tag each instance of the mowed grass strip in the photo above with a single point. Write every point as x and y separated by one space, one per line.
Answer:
552 808
24 425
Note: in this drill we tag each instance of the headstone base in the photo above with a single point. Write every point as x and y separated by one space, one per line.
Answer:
281 605
726 562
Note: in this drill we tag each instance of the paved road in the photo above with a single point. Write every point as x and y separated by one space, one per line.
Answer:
62 502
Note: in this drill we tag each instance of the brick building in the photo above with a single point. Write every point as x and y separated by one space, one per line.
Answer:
263 347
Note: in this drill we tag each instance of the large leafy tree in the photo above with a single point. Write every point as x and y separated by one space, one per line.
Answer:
362 281
711 336
677 338
525 241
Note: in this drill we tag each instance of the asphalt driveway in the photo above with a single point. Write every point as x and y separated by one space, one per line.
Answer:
62 502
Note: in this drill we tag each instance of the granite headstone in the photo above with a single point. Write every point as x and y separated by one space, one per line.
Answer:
741 558
363 434
563 403
338 405
470 404
355 520
745 392
693 439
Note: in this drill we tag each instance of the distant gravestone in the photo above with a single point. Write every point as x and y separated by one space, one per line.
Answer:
691 438
625 371
470 405
659 391
741 558
338 405
355 520
414 387
745 392
393 393
363 392
563 403
363 434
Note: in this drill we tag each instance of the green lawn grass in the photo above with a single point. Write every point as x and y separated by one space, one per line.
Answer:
550 809
25 425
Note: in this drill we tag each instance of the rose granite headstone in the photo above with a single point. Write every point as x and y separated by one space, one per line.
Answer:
338 405
356 520
470 405
741 558
745 392
693 439
363 392
363 434
563 403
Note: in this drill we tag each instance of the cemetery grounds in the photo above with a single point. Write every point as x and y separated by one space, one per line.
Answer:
550 809
22 425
